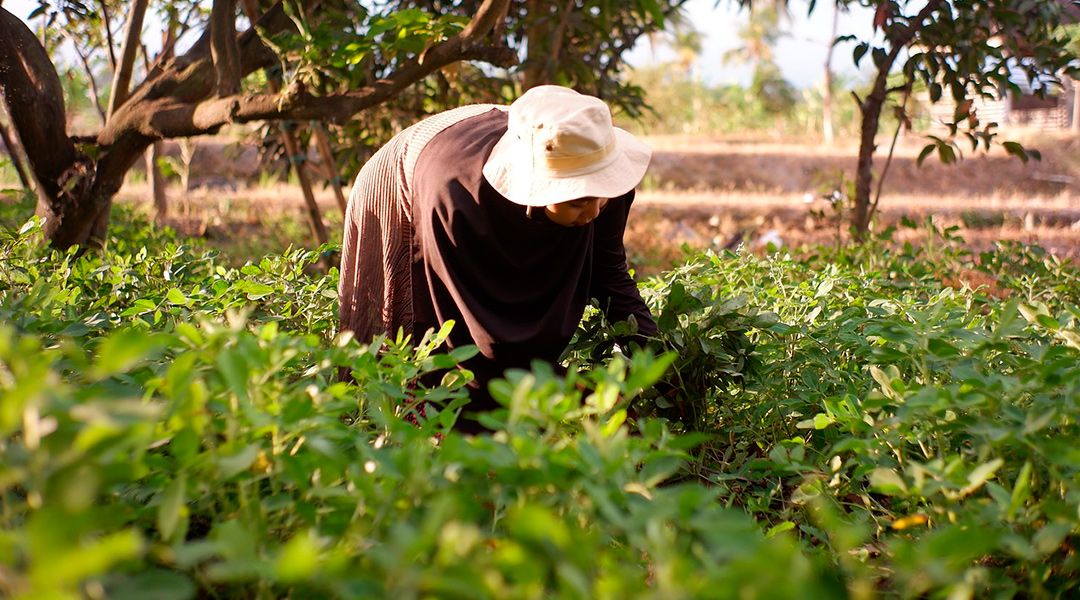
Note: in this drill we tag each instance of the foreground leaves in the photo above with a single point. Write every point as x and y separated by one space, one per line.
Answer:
170 427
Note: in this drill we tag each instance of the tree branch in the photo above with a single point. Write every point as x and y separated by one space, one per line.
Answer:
224 50
132 37
35 101
95 95
109 43
16 156
178 117
177 120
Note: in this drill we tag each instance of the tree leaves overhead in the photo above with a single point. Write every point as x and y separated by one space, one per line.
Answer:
958 51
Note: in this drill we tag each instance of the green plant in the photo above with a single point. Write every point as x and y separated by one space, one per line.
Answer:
170 425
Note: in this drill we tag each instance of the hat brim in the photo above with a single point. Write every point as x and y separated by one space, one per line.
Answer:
509 170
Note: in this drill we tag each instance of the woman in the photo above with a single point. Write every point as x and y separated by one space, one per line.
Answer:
505 219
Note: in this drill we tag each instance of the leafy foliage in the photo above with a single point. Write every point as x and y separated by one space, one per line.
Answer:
960 50
169 425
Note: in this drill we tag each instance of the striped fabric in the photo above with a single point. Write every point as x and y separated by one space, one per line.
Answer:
375 290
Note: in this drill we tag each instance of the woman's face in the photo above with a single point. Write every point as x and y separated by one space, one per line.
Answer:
575 213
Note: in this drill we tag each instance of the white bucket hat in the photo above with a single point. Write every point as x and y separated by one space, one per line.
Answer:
559 146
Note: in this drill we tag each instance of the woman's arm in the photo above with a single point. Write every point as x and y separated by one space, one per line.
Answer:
611 284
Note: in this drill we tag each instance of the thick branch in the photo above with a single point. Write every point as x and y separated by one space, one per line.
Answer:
489 16
35 101
223 47
189 78
132 38
176 120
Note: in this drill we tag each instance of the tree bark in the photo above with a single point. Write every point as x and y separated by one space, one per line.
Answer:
297 160
156 181
120 87
223 48
177 102
870 109
122 76
322 141
35 103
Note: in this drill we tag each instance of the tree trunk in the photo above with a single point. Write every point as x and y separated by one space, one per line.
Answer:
871 115
121 86
176 100
864 170
34 98
322 140
122 76
223 47
156 181
544 41
292 147
533 68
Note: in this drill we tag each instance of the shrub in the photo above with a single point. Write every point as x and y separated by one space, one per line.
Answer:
860 420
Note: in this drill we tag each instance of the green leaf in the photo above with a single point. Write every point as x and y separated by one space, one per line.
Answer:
926 151
175 296
1050 537
1016 149
235 463
299 558
946 153
152 584
123 350
887 481
170 507
1021 490
234 369
254 290
779 528
1048 322
980 475
859 52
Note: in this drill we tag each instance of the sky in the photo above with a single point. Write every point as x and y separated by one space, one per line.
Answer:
800 54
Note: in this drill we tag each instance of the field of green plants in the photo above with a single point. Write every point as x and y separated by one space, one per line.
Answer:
834 423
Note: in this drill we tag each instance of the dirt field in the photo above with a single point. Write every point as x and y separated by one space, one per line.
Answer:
705 192
718 193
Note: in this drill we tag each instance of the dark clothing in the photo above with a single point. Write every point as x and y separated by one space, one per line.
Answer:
515 285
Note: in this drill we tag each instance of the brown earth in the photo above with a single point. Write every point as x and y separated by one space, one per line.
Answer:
711 193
